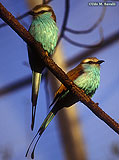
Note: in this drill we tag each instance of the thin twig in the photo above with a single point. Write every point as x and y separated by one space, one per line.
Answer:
110 40
64 28
95 25
66 15
57 71
83 45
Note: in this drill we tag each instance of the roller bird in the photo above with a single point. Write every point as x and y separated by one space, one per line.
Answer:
44 30
87 77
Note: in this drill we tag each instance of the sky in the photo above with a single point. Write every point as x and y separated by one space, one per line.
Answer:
15 108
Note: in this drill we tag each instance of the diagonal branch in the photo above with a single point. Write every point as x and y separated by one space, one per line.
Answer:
110 40
18 18
24 15
57 71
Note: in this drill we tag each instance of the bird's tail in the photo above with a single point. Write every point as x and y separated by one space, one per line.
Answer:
44 125
36 78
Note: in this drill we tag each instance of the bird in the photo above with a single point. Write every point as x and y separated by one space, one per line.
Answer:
87 77
44 30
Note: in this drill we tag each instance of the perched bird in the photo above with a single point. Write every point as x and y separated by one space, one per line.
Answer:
44 30
87 77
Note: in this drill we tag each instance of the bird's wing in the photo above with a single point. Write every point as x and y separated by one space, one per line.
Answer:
73 74
58 94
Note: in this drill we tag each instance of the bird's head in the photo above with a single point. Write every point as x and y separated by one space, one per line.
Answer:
91 62
41 9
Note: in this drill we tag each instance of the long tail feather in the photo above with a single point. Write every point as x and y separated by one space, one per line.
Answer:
36 78
30 145
54 100
44 125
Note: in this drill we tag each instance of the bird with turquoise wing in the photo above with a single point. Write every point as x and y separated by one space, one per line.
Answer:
87 77
44 30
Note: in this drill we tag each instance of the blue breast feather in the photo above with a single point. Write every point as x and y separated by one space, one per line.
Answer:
45 31
89 80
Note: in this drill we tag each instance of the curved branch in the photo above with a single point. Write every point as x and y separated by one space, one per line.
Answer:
110 40
84 45
91 28
56 70
66 15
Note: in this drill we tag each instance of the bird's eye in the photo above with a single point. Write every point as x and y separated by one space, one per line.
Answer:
41 12
90 62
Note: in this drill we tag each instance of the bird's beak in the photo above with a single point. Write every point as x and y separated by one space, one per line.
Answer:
100 61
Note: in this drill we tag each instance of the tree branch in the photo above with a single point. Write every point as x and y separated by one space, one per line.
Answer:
66 15
57 71
110 40
84 45
18 18
65 28
24 15
95 25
